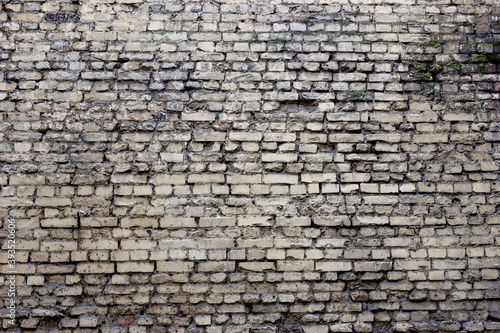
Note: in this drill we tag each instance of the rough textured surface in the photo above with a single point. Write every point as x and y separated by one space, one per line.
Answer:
265 166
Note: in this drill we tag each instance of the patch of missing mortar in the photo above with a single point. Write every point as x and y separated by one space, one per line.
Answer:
290 324
62 17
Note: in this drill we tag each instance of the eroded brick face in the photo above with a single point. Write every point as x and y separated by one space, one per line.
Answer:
236 166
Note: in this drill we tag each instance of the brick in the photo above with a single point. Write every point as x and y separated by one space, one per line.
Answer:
177 244
101 97
493 219
318 177
355 138
409 265
294 222
343 116
137 137
102 244
332 221
288 266
206 178
135 267
333 266
174 266
58 246
370 220
330 242
430 138
209 136
280 137
99 222
209 222
26 180
245 136
177 222
95 268
143 222
355 177
128 179
215 243
434 285
217 266
88 321
364 266
244 179
316 329
59 223
199 116
265 221
347 327
286 158
312 138
53 202
175 137
168 179
280 179
257 266
406 221
393 138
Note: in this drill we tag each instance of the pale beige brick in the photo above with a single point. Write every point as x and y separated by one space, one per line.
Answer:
245 136
206 178
209 136
244 179
313 138
128 179
295 265
137 244
294 222
209 222
255 243
95 268
135 267
99 222
280 179
59 223
217 266
331 242
363 266
345 138
101 244
198 116
280 137
175 179
436 138
355 177
53 202
174 266
406 220
332 221
177 222
137 137
257 266
144 222
370 220
255 221
26 180
281 157
333 266
318 177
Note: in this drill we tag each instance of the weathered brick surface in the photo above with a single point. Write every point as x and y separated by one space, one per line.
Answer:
251 166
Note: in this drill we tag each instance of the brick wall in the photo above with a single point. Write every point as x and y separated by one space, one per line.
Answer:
251 166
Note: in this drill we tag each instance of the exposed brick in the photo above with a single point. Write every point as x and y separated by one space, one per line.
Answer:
226 166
